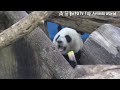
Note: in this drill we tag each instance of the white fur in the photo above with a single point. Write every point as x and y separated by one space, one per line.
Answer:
75 45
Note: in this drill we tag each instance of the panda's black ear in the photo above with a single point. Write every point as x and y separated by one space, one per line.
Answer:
80 32
68 38
59 28
57 37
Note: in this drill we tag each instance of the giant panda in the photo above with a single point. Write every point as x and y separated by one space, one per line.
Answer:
67 39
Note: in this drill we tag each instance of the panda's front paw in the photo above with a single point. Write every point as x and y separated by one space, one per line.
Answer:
73 64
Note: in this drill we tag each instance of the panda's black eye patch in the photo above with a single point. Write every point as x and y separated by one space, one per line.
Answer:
57 37
68 38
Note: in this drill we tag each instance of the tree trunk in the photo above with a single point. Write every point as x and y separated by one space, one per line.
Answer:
40 49
98 72
102 46
7 56
28 65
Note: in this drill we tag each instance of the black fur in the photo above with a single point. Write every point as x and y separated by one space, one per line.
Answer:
77 55
59 28
80 32
73 63
68 38
57 37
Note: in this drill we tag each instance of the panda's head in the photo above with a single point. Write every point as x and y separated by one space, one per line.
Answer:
67 40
